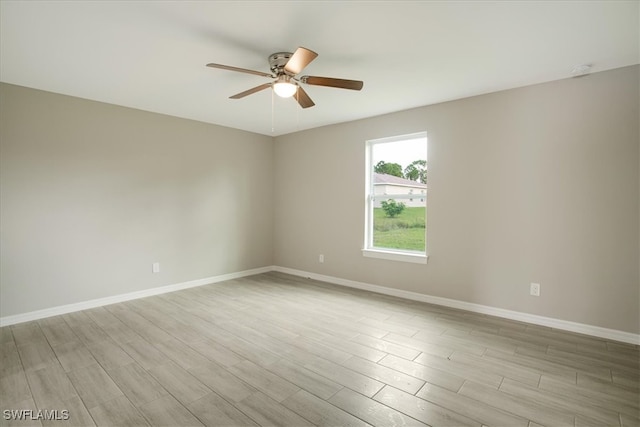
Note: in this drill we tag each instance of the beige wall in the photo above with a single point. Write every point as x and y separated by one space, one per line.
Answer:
92 194
536 184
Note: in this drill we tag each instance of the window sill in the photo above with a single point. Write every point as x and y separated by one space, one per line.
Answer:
416 258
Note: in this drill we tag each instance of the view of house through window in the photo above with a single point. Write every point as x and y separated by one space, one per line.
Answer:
397 194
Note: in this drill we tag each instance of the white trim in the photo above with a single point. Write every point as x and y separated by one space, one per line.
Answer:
596 331
69 308
418 258
371 197
396 138
565 325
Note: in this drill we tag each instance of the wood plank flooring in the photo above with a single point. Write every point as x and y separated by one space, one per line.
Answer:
279 350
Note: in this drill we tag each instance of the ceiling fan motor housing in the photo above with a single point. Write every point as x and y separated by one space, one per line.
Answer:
277 61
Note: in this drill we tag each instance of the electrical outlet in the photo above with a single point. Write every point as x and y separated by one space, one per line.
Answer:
321 258
534 289
155 268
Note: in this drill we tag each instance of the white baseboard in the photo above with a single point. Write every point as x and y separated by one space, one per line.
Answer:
565 325
596 331
69 308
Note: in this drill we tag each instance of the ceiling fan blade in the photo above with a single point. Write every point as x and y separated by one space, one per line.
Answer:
331 82
300 59
303 98
250 91
241 70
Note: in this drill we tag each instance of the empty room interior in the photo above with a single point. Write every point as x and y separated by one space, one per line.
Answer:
329 213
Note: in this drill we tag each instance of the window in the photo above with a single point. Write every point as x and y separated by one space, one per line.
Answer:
395 220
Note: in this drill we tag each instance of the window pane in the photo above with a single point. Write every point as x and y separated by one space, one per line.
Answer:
397 193
397 227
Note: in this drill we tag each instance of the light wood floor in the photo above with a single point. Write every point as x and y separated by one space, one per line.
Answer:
275 349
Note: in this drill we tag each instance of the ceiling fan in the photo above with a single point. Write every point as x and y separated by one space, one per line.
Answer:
285 66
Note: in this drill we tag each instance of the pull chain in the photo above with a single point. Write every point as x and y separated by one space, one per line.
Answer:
272 112
298 108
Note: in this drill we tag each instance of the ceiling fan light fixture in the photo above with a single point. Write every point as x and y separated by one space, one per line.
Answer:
284 88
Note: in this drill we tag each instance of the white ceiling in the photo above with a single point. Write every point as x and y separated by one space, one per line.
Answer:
151 55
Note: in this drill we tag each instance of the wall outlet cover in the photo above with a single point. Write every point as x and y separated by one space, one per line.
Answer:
534 289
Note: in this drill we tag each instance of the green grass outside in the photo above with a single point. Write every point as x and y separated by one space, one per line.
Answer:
406 231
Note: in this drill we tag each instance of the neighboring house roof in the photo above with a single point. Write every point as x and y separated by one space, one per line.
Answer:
381 178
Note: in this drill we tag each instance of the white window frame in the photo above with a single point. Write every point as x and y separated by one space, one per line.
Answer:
419 257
